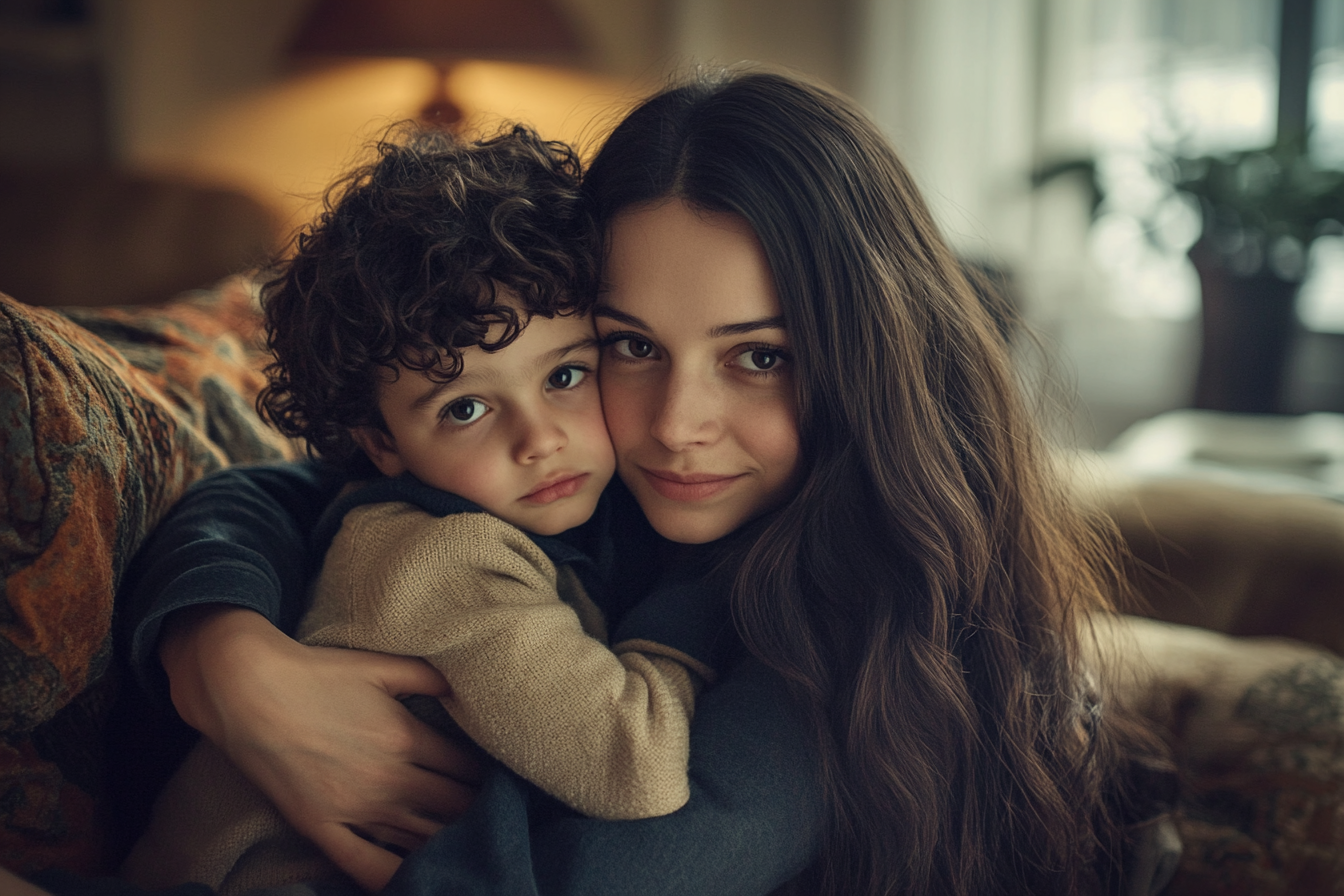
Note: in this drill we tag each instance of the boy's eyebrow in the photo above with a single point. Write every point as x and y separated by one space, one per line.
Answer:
557 353
738 329
432 394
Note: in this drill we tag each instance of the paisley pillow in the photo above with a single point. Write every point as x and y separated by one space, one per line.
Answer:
106 416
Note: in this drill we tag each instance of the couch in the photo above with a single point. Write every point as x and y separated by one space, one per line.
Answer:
1242 581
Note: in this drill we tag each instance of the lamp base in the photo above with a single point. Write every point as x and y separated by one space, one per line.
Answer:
440 111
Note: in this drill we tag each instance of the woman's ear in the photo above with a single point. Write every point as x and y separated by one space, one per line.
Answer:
381 448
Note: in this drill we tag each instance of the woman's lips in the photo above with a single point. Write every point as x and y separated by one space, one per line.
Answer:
553 491
688 486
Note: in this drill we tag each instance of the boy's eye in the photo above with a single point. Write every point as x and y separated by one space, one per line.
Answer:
759 360
566 377
633 347
464 410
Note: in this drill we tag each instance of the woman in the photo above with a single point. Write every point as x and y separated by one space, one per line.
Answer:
795 370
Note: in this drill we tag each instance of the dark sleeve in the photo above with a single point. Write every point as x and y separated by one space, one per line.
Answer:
239 536
754 819
688 610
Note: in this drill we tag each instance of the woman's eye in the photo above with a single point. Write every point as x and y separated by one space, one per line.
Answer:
760 360
465 410
566 377
632 347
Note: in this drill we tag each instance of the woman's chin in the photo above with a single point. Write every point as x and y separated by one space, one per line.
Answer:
690 528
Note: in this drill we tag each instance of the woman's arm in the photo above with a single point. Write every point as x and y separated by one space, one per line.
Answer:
318 730
754 819
237 537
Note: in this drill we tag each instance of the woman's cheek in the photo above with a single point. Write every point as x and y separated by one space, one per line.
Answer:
766 428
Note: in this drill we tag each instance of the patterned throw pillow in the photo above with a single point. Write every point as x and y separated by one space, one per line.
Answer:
106 416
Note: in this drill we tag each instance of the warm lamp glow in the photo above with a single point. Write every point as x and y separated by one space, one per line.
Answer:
285 142
562 104
441 32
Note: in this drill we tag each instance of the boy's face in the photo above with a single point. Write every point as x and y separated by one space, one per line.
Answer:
520 432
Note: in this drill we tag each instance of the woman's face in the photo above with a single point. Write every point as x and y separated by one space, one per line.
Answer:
696 374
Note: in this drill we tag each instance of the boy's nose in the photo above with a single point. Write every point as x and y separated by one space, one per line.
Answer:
539 437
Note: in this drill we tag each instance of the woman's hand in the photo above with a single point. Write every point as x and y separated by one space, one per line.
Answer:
320 732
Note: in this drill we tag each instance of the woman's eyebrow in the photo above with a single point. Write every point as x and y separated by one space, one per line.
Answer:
620 316
557 353
747 326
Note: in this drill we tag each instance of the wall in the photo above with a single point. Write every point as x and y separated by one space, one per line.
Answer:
812 36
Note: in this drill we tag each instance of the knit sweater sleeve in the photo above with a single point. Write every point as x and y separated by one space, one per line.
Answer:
606 734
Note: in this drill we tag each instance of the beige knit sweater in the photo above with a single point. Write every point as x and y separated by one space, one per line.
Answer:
522 647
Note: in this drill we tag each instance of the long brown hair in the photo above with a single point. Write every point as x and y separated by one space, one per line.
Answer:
923 592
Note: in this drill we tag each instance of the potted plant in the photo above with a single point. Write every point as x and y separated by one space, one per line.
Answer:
1261 210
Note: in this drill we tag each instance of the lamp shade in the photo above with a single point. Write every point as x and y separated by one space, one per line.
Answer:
519 30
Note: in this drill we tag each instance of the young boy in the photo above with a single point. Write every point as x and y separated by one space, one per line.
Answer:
433 327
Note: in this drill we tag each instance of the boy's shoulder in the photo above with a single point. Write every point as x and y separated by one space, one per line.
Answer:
404 489
407 489
397 539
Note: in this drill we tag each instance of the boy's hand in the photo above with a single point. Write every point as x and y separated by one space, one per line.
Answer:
321 733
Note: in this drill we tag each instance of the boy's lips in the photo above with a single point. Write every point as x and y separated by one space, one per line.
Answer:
688 486
556 487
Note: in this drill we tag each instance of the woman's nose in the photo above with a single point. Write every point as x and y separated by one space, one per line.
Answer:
690 412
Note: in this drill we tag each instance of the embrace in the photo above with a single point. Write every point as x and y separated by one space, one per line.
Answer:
698 489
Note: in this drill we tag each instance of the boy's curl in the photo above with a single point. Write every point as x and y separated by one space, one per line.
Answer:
415 256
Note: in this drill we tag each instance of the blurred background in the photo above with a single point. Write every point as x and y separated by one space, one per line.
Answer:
1155 183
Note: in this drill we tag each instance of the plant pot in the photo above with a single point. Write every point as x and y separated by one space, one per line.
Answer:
1249 328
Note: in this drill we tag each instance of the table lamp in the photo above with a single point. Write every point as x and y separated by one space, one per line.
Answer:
440 32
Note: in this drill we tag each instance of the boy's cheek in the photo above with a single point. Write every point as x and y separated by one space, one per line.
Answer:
599 455
603 452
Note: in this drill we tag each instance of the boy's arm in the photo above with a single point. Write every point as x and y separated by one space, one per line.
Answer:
755 818
606 734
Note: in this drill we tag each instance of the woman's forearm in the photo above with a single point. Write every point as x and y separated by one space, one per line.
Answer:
318 730
238 537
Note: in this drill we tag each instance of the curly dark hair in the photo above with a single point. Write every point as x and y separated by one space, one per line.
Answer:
414 257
